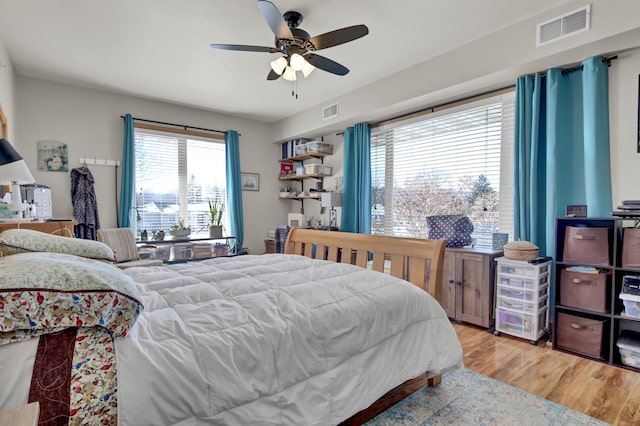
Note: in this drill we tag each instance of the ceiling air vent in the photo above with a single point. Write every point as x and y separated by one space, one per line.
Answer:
560 27
330 112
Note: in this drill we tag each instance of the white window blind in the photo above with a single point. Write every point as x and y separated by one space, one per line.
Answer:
454 161
176 176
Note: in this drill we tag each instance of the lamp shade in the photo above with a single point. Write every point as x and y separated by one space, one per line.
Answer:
13 169
289 74
279 65
331 199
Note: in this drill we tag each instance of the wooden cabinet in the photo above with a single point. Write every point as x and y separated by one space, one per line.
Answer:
468 285
64 228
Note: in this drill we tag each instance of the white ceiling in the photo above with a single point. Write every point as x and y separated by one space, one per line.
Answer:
159 49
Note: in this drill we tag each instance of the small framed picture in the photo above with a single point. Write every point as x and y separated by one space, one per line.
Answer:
250 181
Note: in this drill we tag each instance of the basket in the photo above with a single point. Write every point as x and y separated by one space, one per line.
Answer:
521 250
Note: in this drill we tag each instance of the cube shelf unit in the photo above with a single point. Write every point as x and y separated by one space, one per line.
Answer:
522 298
605 325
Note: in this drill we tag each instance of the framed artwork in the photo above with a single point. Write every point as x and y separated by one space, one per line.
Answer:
250 181
638 141
53 156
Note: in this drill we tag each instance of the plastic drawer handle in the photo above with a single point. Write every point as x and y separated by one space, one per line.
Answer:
577 326
579 281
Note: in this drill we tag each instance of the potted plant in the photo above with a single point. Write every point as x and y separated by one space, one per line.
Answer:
179 229
216 208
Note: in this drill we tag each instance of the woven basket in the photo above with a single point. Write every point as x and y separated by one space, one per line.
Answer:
521 250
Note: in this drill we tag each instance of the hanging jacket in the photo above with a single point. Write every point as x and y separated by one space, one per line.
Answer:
85 205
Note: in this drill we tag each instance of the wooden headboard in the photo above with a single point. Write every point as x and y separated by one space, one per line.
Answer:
417 261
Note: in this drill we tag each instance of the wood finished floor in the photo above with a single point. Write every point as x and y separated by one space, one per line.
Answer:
608 393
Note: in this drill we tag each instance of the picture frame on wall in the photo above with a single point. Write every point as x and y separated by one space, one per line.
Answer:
250 181
638 135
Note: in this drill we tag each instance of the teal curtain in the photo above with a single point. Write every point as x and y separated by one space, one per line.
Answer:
561 149
128 179
234 187
356 184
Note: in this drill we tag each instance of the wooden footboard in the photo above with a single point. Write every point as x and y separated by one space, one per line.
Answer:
418 261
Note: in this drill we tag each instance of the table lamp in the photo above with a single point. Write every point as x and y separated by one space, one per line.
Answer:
331 200
14 172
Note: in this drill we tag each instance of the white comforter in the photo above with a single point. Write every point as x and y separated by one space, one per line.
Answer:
274 339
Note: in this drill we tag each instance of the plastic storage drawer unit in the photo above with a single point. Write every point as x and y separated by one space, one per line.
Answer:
520 324
521 306
313 147
522 293
629 346
522 268
523 282
631 304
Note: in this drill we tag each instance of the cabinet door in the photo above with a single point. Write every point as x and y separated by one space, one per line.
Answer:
449 287
474 293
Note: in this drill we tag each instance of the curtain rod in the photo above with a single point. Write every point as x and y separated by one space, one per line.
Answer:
435 107
606 60
177 125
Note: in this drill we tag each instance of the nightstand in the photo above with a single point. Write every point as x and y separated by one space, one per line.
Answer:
27 415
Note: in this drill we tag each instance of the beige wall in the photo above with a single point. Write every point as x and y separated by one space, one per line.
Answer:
89 122
623 102
7 84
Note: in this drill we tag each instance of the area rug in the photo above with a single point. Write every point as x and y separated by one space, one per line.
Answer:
467 398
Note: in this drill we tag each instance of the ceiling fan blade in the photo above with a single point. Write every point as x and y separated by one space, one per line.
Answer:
273 75
336 37
275 20
326 64
244 48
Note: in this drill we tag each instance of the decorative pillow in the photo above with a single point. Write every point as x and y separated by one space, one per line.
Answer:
44 293
14 241
455 228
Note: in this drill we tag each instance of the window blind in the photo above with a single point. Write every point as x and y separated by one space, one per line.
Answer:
454 161
175 178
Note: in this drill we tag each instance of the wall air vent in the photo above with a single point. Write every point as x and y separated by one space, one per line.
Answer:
330 111
565 25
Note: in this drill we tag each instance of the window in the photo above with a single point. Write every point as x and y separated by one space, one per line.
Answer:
176 176
457 160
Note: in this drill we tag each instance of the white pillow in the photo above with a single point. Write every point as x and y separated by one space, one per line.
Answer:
13 241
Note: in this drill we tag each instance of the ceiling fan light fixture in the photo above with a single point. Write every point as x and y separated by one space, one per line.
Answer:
297 62
307 68
278 66
289 74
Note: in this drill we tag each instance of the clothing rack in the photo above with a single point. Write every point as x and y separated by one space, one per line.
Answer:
99 162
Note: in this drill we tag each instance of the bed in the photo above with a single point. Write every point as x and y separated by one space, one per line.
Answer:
313 336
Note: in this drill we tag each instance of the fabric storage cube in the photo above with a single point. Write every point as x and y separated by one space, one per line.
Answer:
586 245
629 345
631 248
315 146
579 334
631 304
583 290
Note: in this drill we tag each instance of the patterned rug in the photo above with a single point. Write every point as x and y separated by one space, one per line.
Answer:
468 398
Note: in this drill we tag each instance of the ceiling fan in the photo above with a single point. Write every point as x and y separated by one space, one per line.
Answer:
296 46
